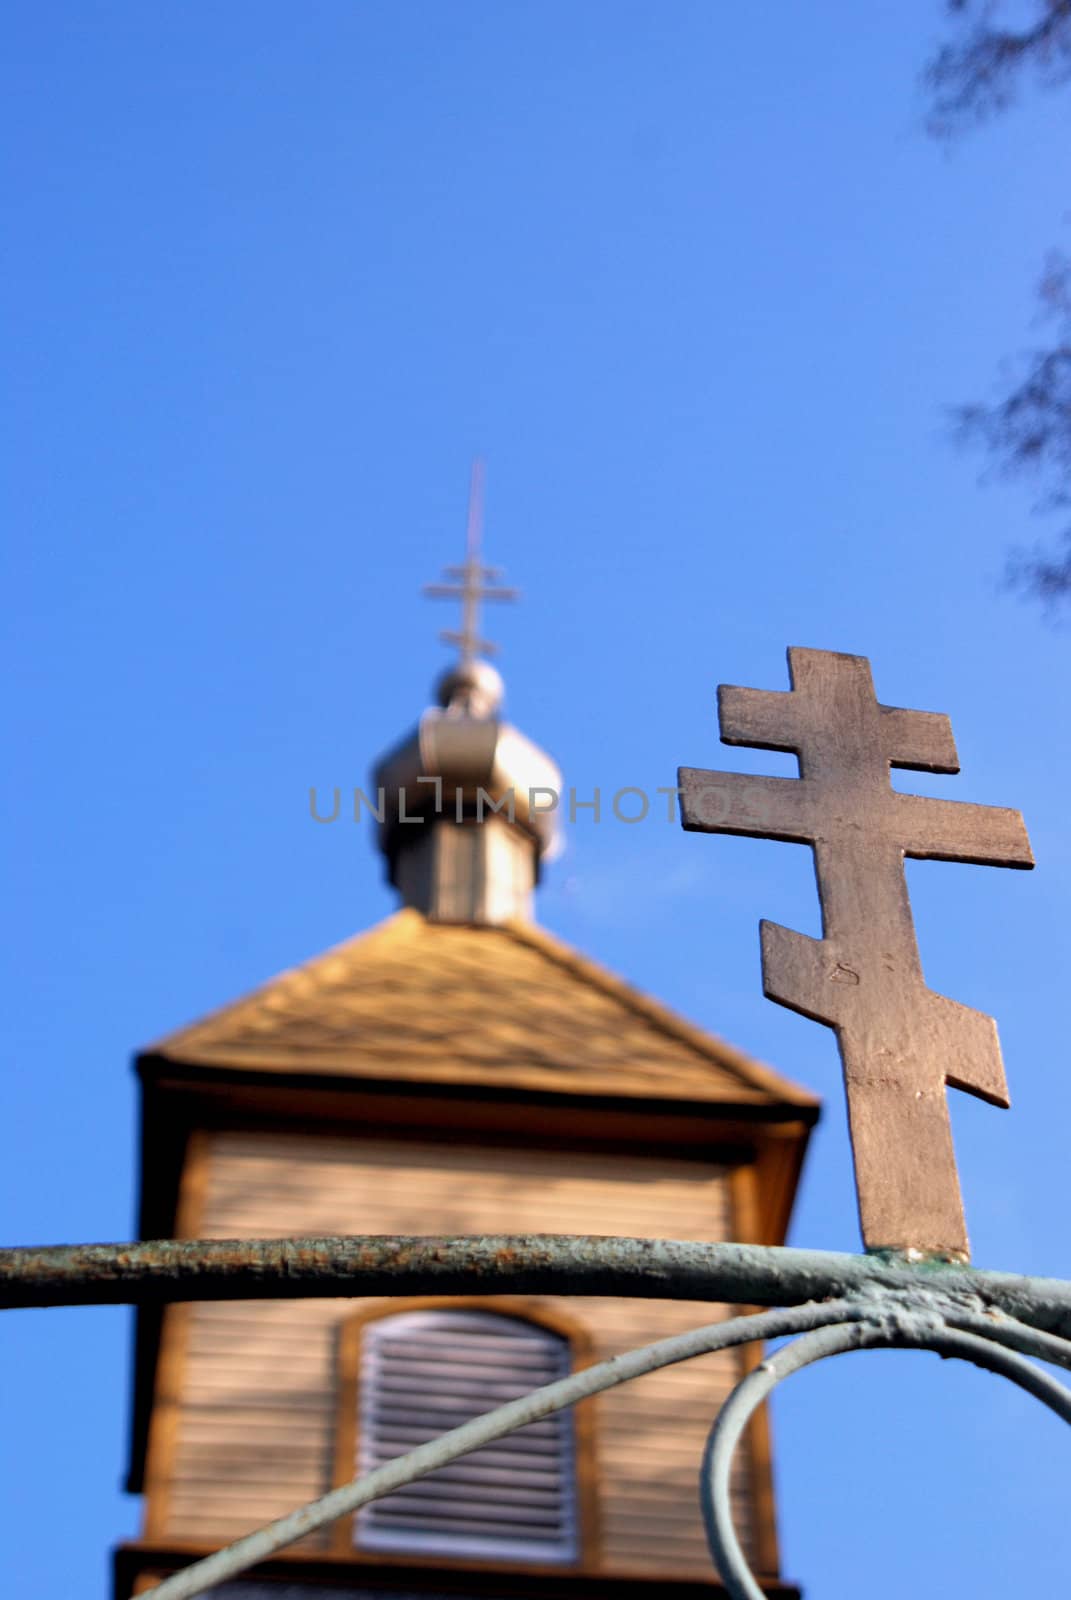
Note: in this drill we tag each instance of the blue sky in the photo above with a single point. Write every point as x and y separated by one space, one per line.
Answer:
695 283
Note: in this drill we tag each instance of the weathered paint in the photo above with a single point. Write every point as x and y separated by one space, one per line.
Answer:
165 1270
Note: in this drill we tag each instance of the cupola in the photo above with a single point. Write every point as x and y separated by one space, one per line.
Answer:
468 804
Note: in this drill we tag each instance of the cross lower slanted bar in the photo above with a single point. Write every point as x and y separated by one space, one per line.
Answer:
900 1042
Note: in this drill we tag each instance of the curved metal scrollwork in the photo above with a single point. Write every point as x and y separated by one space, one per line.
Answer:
920 1319
998 1345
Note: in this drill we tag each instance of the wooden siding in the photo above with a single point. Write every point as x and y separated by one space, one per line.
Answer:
251 1432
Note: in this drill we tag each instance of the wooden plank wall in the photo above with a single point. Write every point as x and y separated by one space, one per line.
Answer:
244 1428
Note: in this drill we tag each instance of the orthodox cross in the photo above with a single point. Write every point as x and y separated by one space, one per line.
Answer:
469 583
900 1042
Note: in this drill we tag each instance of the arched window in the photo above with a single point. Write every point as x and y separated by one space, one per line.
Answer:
422 1372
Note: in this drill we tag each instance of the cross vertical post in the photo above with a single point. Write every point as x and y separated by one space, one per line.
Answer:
900 1042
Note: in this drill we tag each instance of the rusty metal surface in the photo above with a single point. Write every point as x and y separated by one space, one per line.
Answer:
166 1270
900 1042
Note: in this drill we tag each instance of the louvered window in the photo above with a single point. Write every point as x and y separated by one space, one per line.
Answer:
423 1372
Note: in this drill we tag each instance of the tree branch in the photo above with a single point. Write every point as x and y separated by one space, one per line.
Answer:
978 75
1028 431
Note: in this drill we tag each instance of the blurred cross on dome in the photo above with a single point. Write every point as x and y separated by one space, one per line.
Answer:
472 582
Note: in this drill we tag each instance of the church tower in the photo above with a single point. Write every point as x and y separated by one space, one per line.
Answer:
454 1070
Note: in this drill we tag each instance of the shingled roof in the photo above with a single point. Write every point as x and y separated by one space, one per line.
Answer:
506 1006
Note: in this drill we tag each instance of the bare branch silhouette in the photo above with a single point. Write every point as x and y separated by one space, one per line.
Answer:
1028 430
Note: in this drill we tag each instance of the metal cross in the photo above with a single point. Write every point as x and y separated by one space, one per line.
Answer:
470 584
900 1042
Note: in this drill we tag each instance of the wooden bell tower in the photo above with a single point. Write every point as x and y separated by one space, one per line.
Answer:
456 1070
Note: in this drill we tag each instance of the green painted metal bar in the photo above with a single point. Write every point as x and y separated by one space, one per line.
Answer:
272 1269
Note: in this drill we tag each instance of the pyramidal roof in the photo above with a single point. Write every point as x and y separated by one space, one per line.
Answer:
490 1006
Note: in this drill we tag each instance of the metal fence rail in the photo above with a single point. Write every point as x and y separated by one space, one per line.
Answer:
832 1303
163 1270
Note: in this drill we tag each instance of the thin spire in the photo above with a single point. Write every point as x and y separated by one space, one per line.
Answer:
471 583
